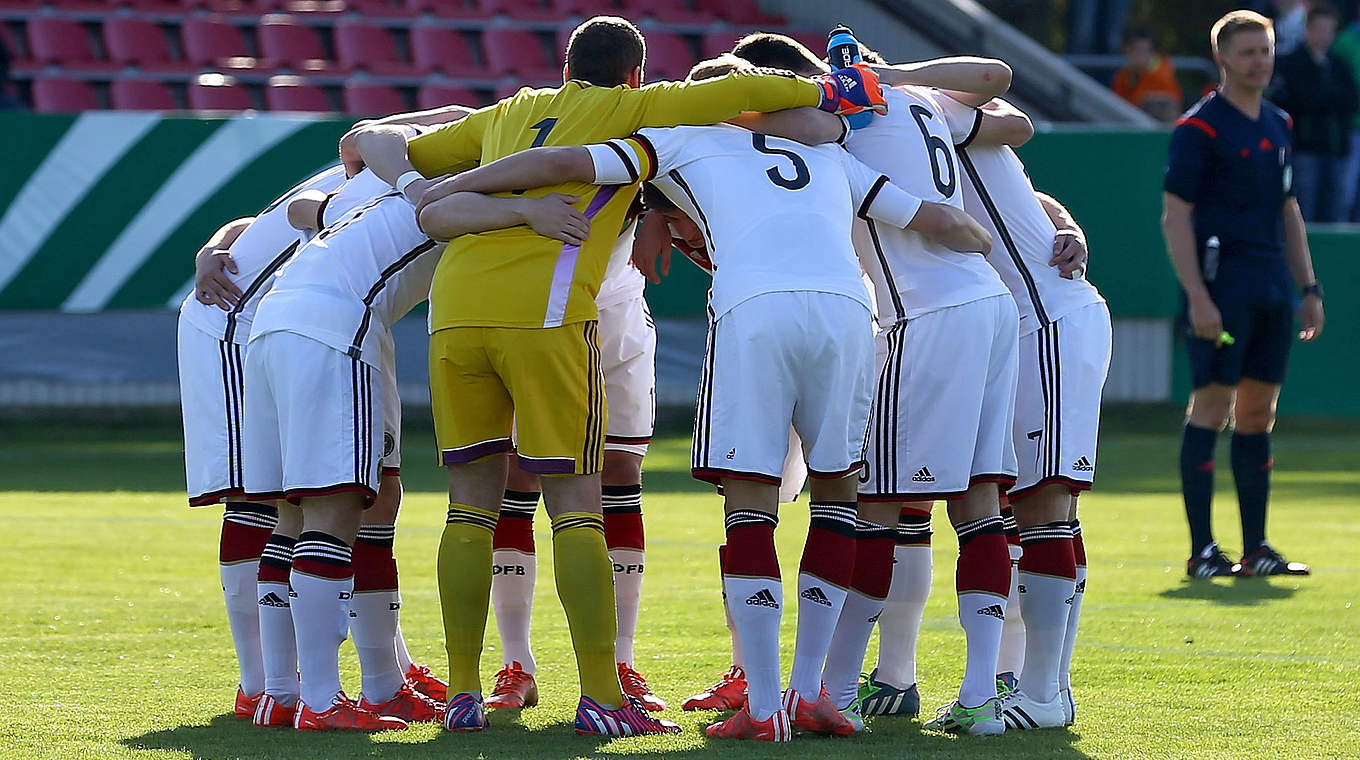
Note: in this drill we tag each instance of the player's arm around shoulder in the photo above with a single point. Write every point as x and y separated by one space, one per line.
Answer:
462 213
711 101
976 80
809 126
1002 124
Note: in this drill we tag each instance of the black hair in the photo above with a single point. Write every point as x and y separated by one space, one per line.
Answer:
778 51
655 199
604 51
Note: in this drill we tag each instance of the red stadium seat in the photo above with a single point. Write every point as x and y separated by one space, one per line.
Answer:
524 10
518 52
383 8
64 43
505 91
217 92
741 12
669 56
669 11
814 41
207 41
435 48
141 95
368 48
432 95
63 95
586 8
136 42
373 99
713 44
291 44
292 93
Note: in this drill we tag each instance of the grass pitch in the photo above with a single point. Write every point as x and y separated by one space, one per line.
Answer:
115 642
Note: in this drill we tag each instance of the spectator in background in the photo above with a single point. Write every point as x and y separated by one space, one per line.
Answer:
1093 26
1148 79
7 99
1318 90
1291 16
1347 48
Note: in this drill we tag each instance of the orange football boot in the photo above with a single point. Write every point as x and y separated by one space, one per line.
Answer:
343 715
407 704
635 685
727 694
819 717
775 728
514 689
245 705
425 682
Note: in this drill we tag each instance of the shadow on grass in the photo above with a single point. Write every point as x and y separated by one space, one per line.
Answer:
227 738
1235 592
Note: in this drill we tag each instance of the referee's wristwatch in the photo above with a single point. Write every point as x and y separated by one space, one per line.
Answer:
1313 288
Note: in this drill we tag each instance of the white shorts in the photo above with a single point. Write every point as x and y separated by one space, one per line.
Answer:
1057 400
628 349
943 407
314 420
210 375
794 357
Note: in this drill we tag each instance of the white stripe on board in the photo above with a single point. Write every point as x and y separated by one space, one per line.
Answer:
210 166
184 290
92 144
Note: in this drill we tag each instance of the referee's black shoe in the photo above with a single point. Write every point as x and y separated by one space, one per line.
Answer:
1211 563
1266 561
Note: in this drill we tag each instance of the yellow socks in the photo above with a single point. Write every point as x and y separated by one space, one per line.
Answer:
465 589
585 584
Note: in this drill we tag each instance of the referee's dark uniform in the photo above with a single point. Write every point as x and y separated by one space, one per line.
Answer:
1237 174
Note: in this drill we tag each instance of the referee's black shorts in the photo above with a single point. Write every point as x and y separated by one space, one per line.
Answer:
1256 301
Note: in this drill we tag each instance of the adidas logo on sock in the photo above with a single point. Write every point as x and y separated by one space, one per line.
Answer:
993 610
815 594
272 600
763 598
1020 588
923 476
876 616
1081 586
1082 465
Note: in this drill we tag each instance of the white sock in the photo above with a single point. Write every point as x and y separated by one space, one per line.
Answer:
277 642
1012 657
1070 637
320 614
512 597
1045 605
628 567
899 626
756 605
243 616
845 656
982 616
732 634
373 621
819 607
404 660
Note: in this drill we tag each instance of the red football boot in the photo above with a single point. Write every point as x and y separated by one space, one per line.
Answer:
407 704
343 715
245 705
727 694
635 685
514 689
775 728
269 713
425 682
819 717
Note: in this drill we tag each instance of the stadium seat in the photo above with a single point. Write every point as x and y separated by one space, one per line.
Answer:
518 52
669 56
522 10
668 11
368 48
141 95
63 95
218 92
740 12
713 44
370 99
505 91
431 95
209 41
464 9
290 44
388 9
140 43
435 48
586 8
64 43
293 93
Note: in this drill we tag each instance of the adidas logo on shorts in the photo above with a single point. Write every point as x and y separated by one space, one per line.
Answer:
923 476
763 598
272 600
816 595
1082 465
994 610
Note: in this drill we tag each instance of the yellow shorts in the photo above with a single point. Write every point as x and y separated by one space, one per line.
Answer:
548 382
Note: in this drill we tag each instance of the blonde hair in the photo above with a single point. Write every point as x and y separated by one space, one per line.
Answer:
1235 22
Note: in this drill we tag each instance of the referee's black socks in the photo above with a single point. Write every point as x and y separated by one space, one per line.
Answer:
1197 483
1251 464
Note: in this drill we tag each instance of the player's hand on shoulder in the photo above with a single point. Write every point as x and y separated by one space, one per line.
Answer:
211 284
652 243
553 216
1070 253
851 90
1311 317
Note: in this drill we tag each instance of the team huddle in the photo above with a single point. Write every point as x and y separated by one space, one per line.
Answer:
896 316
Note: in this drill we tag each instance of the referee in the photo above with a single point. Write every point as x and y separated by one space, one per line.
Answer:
1237 240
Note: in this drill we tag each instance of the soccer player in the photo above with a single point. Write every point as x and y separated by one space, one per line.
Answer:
1237 240
1064 358
514 339
811 372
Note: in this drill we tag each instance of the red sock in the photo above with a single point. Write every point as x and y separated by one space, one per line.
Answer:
984 563
374 568
829 553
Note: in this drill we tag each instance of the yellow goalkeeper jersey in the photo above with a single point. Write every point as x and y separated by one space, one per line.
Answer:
517 278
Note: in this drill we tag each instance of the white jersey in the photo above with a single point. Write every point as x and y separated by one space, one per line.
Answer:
622 281
360 275
912 274
354 192
260 250
775 214
998 193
